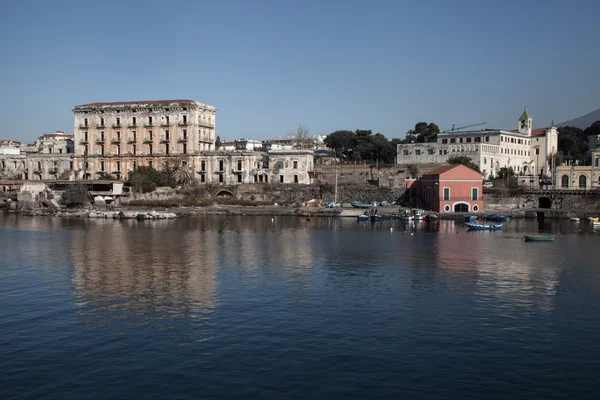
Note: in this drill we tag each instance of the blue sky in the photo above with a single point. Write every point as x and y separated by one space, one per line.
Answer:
269 66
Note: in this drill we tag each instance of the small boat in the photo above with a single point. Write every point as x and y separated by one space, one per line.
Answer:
418 215
593 219
574 219
483 227
539 238
497 218
375 218
356 204
406 216
362 217
596 224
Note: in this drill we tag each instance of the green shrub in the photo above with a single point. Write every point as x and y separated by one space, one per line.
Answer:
75 196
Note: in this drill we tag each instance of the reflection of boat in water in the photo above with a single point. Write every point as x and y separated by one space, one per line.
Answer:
574 219
596 224
362 217
497 218
375 218
539 238
356 204
431 217
483 227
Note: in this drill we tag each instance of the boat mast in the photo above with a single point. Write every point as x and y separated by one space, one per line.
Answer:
335 195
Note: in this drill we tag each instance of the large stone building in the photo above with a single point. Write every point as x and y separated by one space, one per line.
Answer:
525 151
581 177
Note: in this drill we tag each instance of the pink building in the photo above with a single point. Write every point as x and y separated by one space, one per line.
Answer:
449 188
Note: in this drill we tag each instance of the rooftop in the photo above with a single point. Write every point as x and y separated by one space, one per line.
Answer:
125 103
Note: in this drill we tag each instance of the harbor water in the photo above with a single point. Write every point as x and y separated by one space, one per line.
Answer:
285 307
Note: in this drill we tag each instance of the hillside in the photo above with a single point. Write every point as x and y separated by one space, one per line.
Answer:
584 121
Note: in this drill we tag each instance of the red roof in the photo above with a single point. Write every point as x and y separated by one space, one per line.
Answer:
445 168
124 103
538 132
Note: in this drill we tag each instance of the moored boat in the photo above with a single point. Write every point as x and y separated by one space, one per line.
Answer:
356 204
418 215
362 217
375 217
483 227
406 215
593 219
574 219
596 224
539 238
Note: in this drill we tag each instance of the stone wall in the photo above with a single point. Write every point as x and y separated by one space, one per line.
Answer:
36 195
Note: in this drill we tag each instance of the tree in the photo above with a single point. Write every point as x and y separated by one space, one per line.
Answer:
340 142
422 133
218 143
572 143
75 196
414 171
183 176
464 160
302 140
146 179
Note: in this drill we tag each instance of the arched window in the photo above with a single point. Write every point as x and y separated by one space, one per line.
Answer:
564 181
582 181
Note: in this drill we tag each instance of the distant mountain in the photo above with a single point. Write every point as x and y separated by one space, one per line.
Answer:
583 122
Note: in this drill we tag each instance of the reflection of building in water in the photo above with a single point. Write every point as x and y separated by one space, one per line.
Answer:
143 268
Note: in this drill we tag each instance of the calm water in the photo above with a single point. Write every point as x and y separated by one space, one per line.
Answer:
254 307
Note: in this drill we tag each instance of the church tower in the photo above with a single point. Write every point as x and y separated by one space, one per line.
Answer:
525 123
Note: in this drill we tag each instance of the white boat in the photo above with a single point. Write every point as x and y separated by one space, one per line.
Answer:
596 224
406 215
574 219
418 215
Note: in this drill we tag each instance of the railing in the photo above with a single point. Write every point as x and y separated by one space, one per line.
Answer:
84 126
148 125
83 141
165 139
132 140
183 123
116 140
100 140
148 140
116 126
133 126
165 124
206 124
100 126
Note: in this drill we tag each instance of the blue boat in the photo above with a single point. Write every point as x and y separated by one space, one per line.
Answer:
497 218
356 204
483 227
362 217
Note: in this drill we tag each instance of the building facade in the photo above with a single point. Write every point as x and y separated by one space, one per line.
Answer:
449 188
490 149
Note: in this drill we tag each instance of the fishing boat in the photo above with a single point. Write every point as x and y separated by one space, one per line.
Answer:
418 215
497 218
406 216
356 204
593 219
483 227
539 238
362 217
574 219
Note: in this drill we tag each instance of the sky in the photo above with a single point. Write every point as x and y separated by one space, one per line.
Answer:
269 66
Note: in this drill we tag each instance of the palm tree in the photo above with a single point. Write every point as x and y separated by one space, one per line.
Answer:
183 176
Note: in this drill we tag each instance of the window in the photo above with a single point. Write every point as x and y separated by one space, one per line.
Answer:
582 181
118 149
469 140
184 134
71 165
85 122
102 136
135 135
118 136
417 152
430 151
118 121
446 193
150 164
166 148
203 165
150 148
445 152
537 150
202 178
118 166
185 119
133 149
295 164
280 164
239 178
444 141
475 194
134 165
221 178
85 136
280 178
266 178
167 134
460 140
87 165
150 121
101 149
295 178
101 121
256 178
134 121
440 152
221 165
404 152
239 165
184 148
453 140
150 135
484 160
167 118
487 138
101 165
477 140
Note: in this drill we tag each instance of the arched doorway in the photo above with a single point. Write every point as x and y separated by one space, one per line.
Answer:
564 181
582 181
461 207
224 193
543 202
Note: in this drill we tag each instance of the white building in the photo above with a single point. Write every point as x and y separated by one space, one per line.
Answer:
490 149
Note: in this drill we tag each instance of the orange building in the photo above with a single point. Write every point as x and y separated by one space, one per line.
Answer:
449 188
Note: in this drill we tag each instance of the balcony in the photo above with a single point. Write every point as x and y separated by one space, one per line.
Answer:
205 140
148 125
165 124
206 124
37 172
100 140
182 140
164 139
116 126
53 171
100 126
83 141
203 171
133 126
237 171
185 123
84 127
148 140
132 140
116 140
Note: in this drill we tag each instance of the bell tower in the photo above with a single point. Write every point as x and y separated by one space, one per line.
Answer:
525 123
